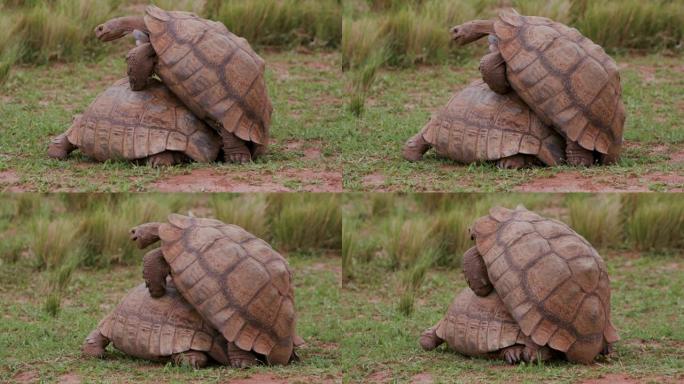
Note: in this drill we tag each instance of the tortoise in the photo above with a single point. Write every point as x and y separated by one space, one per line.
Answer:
152 126
551 280
566 79
214 72
235 280
163 329
481 326
480 125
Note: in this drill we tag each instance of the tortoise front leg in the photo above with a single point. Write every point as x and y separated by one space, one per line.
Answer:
60 147
155 270
239 358
235 149
166 158
429 339
475 272
493 70
141 61
194 359
415 147
95 344
578 156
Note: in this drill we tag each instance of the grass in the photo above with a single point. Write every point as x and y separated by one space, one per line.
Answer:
39 102
391 305
56 234
381 343
48 348
401 102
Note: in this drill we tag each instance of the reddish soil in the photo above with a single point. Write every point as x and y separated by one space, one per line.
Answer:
573 181
621 378
26 377
380 377
374 181
9 182
422 378
212 180
265 378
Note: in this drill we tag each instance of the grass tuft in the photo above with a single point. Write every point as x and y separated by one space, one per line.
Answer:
597 218
655 222
304 222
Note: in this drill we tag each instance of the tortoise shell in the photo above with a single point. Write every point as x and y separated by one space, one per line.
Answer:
236 281
214 72
551 280
477 325
567 80
156 328
122 124
478 125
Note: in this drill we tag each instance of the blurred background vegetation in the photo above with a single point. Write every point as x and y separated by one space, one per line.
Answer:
44 31
408 234
403 33
54 234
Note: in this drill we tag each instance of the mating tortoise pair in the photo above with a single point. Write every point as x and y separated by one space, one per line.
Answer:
211 290
213 74
536 289
563 82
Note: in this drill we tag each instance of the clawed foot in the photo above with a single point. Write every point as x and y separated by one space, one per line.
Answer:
429 339
60 147
415 148
238 158
164 159
514 354
193 359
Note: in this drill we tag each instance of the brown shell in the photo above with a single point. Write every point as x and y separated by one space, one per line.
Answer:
569 81
236 281
216 73
155 328
479 125
552 281
122 124
477 325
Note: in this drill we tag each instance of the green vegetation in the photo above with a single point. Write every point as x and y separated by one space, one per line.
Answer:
397 289
401 102
58 233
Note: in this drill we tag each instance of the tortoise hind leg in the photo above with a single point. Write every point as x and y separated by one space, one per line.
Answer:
239 358
429 339
475 272
235 150
512 354
166 158
155 270
517 162
493 70
194 359
60 147
415 147
578 156
95 344
141 61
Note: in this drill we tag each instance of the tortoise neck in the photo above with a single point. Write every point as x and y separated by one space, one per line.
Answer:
131 23
485 27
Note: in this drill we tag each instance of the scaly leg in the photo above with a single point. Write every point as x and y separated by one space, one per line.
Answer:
235 149
95 344
493 69
194 359
141 61
239 358
576 155
155 270
166 158
60 147
415 147
429 339
516 162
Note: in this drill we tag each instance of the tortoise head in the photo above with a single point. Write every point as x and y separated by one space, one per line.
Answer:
470 31
119 27
145 234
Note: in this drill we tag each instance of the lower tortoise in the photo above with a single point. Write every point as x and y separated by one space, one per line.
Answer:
151 125
235 280
481 326
164 329
480 125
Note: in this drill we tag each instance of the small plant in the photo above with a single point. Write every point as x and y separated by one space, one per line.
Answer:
597 218
305 223
656 222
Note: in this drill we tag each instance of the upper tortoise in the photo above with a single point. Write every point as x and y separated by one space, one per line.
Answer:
479 125
151 125
551 280
481 326
235 280
214 72
167 328
566 79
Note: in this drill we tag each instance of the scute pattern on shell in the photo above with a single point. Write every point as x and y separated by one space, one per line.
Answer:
552 281
477 325
568 81
122 124
216 73
235 280
478 125
155 328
